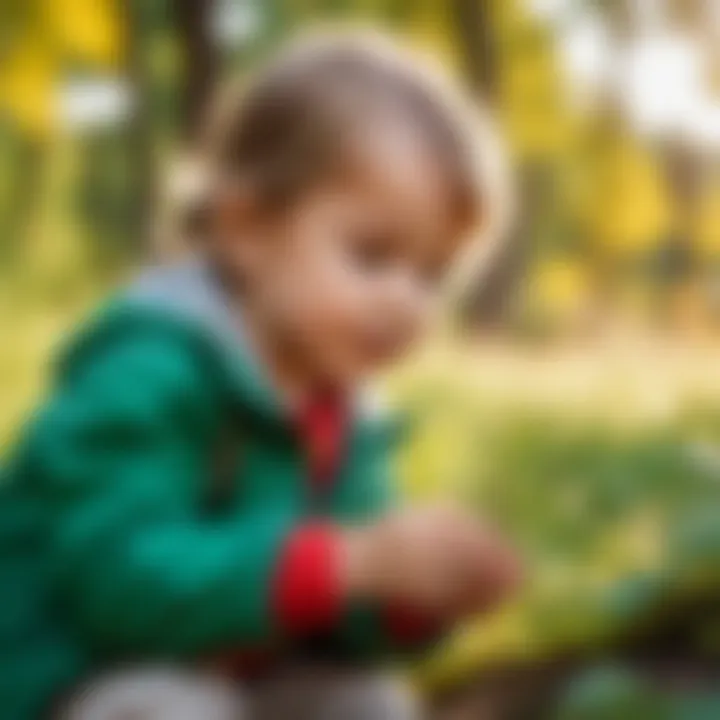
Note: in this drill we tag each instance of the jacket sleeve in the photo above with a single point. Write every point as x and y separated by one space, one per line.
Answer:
117 458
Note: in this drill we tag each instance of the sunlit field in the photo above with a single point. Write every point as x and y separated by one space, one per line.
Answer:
603 461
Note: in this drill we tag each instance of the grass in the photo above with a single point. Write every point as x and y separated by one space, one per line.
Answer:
601 462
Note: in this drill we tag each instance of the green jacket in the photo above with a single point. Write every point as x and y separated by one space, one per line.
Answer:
109 551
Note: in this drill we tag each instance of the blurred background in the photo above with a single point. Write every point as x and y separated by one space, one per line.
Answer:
574 395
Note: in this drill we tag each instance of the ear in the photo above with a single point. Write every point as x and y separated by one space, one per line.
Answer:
232 210
234 227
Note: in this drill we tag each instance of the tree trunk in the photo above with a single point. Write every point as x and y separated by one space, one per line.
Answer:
488 301
192 19
139 133
474 28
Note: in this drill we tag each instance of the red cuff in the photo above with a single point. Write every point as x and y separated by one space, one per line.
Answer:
408 625
307 594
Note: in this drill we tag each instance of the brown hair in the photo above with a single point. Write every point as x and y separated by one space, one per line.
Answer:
287 127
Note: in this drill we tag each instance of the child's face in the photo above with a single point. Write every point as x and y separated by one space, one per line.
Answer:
346 279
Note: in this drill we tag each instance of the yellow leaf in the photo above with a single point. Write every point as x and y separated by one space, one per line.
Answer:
631 207
89 30
706 224
431 26
27 88
561 287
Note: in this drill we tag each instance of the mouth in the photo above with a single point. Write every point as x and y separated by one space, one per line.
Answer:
381 348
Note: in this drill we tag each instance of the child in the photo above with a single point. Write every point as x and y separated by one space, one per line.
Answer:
198 522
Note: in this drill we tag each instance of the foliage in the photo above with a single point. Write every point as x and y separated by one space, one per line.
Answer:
612 493
617 692
609 693
40 39
597 225
605 468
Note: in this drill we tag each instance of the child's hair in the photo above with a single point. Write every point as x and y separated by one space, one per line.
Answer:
289 127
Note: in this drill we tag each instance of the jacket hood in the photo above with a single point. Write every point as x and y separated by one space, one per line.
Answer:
192 293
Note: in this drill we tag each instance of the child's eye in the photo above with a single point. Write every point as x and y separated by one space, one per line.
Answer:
373 252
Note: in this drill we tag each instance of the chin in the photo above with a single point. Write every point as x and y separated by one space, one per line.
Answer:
349 372
349 375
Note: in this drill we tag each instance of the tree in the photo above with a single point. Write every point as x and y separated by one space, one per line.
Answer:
508 61
476 34
41 39
200 62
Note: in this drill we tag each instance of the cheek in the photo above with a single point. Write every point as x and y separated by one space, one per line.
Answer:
340 300
411 319
318 297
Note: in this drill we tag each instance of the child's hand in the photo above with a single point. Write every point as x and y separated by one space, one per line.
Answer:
496 573
439 559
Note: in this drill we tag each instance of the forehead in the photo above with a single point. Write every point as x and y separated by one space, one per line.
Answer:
392 169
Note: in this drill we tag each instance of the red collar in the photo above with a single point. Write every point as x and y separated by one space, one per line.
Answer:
323 424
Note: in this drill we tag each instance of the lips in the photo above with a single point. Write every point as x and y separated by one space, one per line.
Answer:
381 347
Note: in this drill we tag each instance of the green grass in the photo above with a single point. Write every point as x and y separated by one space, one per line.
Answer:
603 464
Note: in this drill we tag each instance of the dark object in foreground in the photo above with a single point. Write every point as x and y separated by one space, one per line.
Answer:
654 673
